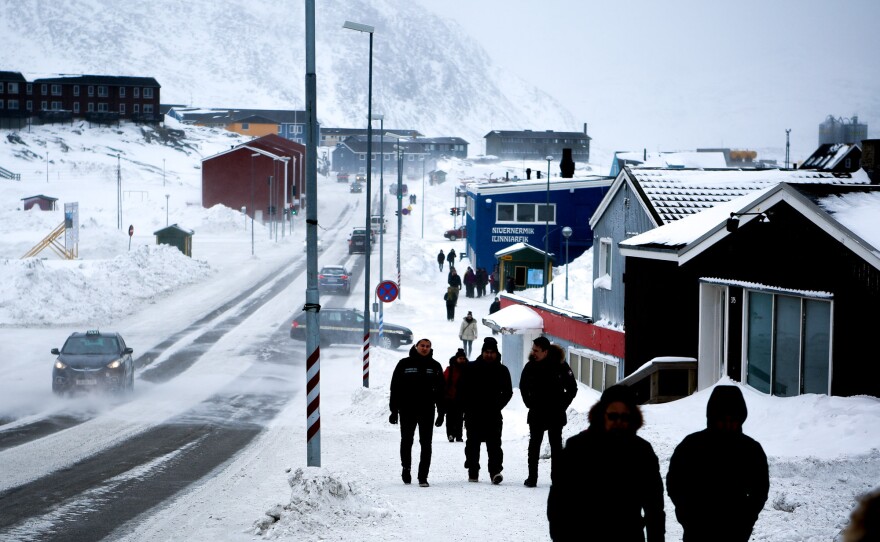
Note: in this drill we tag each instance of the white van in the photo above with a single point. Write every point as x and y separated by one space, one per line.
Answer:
378 224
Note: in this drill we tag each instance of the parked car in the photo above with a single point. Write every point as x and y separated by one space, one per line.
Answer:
342 177
377 223
346 326
93 360
458 233
361 177
334 278
356 188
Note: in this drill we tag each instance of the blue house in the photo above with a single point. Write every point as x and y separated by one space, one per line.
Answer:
502 214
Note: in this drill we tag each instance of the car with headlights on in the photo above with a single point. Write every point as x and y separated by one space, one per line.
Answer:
94 360
346 326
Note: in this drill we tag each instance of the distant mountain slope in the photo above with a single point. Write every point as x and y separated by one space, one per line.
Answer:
427 74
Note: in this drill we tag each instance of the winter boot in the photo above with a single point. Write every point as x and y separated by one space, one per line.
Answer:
497 478
406 476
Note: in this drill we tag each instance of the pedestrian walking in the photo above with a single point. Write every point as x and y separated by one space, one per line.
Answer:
493 308
495 285
485 390
440 259
451 258
451 298
470 282
468 332
547 386
482 281
622 497
719 476
511 284
454 412
417 387
453 279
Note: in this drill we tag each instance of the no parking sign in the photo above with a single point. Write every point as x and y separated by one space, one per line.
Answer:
387 291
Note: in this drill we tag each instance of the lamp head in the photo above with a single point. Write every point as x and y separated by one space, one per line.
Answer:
566 232
358 26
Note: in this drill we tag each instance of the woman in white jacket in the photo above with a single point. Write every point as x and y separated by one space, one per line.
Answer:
468 332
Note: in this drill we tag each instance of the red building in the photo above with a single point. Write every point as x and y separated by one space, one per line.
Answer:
248 175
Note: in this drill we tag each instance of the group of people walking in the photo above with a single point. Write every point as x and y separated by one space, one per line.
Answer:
605 481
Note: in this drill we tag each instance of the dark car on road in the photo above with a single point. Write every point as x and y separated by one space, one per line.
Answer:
361 177
93 360
357 241
334 278
346 326
458 233
356 188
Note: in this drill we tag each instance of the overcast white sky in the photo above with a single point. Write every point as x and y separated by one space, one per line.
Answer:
682 74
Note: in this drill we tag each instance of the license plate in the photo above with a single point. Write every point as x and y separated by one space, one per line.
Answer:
86 382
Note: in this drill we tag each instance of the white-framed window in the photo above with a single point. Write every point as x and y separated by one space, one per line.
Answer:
603 273
245 126
29 88
136 92
91 90
12 105
56 90
29 105
102 91
596 370
76 107
148 108
298 129
1 103
2 85
788 350
103 108
148 93
44 106
121 109
76 90
136 108
525 213
12 88
44 89
91 107
56 106
122 92
362 156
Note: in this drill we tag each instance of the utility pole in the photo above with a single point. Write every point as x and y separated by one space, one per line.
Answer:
787 146
118 193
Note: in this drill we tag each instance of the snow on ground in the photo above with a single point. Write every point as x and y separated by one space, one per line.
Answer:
823 451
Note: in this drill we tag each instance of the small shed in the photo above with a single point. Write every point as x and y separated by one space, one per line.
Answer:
175 236
525 264
437 176
519 326
45 203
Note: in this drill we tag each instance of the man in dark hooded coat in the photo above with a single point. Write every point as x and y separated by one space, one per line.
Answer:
417 386
718 478
547 386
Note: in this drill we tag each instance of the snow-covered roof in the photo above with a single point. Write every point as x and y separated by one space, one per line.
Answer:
827 156
514 319
517 247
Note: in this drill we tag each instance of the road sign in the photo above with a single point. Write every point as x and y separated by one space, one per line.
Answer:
131 230
387 291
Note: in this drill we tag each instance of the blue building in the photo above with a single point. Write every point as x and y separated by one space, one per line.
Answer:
502 214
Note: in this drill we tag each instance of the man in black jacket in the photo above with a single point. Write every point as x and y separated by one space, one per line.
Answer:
718 478
547 386
608 484
417 386
485 389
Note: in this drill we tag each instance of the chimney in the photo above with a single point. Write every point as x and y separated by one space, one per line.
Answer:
869 159
585 128
566 165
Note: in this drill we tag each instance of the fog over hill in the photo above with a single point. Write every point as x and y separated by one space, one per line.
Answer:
427 73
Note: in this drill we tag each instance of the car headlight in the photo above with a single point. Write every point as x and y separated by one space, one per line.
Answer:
114 364
59 364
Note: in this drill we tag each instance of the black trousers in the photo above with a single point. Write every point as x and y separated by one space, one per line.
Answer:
454 421
409 420
488 431
450 312
536 437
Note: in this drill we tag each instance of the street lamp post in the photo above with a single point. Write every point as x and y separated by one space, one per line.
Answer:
381 118
166 208
253 209
163 172
547 229
423 196
366 359
566 232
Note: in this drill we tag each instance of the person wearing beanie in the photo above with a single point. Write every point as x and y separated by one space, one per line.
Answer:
468 332
485 389
547 386
417 387
608 484
718 478
454 413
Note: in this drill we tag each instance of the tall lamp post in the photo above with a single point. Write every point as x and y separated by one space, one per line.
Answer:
423 196
167 196
253 209
366 360
566 232
381 118
547 229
